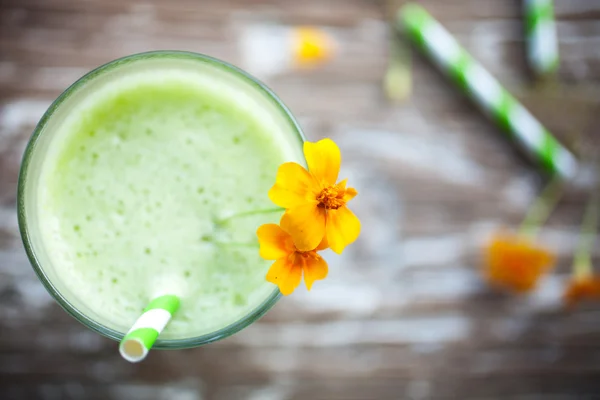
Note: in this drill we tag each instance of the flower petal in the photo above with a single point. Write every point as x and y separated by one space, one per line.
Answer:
306 225
350 194
323 159
582 288
342 228
516 263
273 242
341 185
315 268
293 186
285 274
323 245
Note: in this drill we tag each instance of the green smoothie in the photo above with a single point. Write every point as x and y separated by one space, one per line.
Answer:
137 185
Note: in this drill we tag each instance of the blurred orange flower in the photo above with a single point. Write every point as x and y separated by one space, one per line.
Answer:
315 204
290 263
312 46
516 262
582 288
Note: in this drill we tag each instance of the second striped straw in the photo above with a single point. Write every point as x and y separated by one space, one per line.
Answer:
485 90
542 44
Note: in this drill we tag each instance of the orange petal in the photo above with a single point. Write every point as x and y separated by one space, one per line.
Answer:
323 159
583 288
323 245
343 227
273 242
306 225
516 263
342 185
350 194
285 274
315 268
293 186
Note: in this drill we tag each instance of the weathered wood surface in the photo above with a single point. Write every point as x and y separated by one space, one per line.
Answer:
403 314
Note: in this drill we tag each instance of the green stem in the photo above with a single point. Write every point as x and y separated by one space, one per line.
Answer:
582 262
236 244
542 207
211 239
398 80
249 213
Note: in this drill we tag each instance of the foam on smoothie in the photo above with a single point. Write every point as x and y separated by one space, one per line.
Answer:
141 171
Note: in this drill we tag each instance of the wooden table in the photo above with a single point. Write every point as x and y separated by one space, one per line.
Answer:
403 314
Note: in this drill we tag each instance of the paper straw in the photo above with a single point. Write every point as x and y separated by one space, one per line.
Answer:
141 337
540 29
485 90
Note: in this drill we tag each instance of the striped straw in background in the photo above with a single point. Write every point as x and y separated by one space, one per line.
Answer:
141 337
485 90
540 29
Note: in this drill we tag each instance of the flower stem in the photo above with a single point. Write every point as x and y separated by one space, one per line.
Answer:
236 244
582 262
249 213
397 81
211 239
542 207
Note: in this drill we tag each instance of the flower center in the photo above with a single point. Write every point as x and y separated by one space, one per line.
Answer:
305 256
331 198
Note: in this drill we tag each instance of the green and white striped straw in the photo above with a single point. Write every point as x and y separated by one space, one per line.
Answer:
542 44
141 337
485 90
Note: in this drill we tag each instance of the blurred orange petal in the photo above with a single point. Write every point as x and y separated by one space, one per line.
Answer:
581 289
312 46
516 263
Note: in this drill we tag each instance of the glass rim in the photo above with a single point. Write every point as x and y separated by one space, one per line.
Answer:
25 233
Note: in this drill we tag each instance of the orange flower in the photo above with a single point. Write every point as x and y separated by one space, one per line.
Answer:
516 262
290 263
582 288
312 46
315 203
